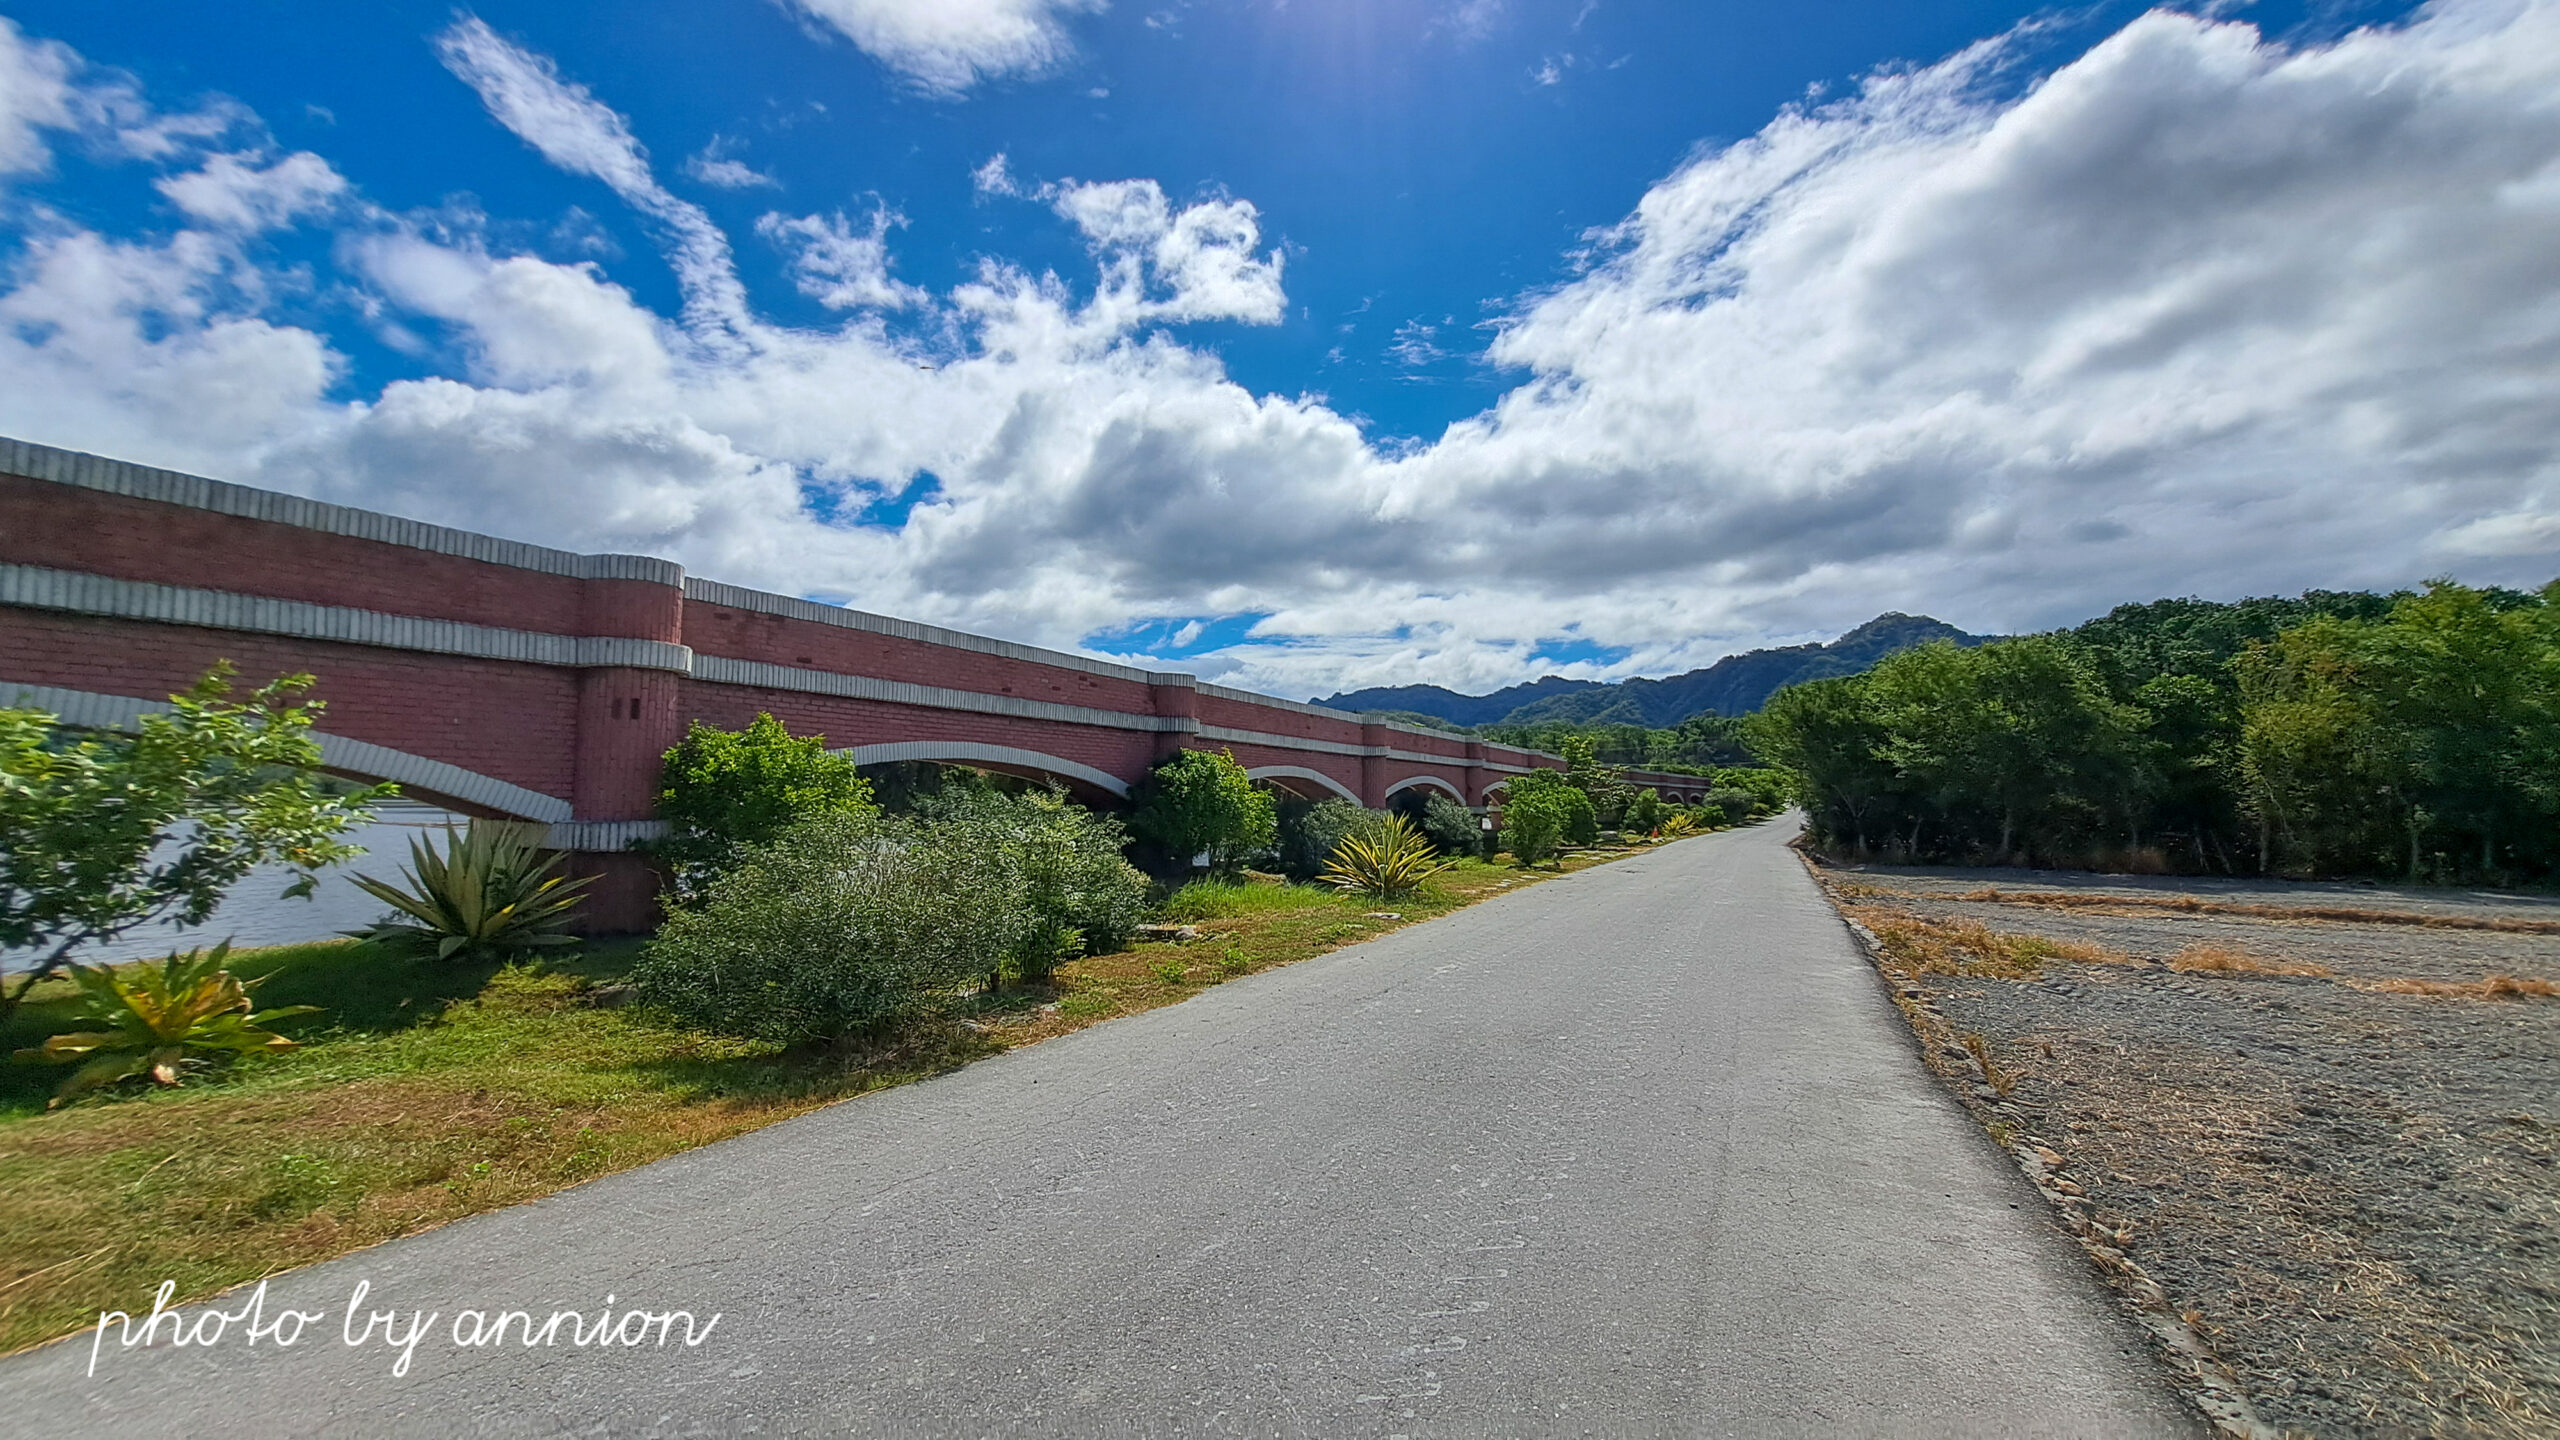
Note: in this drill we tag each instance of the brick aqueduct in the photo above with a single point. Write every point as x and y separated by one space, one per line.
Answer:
511 681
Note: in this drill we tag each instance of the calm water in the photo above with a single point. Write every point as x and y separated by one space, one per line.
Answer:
253 914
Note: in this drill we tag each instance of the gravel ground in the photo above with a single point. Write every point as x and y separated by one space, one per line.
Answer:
2346 1189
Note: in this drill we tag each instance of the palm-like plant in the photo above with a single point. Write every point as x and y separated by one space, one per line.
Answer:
1389 862
1679 823
488 892
157 1019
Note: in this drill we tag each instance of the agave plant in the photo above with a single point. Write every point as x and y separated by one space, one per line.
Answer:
1388 862
489 891
159 1019
1677 824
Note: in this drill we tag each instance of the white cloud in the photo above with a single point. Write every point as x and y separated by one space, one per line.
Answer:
996 177
35 94
230 190
1198 262
2193 314
573 130
946 47
713 165
838 266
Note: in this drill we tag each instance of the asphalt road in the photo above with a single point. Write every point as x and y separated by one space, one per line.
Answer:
1643 1151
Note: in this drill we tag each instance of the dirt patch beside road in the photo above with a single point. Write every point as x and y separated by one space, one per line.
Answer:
2320 1120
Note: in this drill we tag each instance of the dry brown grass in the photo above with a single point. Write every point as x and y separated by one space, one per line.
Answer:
1969 947
2224 960
2492 987
2190 905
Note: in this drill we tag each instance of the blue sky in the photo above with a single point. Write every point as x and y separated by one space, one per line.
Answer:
1325 342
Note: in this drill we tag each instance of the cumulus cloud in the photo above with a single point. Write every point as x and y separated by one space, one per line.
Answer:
838 266
946 47
2192 313
234 191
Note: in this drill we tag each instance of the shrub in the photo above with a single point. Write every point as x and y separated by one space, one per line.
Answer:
1386 866
1451 827
158 1020
1066 869
1194 802
1735 805
105 834
1537 809
1310 834
491 891
723 792
1645 812
846 923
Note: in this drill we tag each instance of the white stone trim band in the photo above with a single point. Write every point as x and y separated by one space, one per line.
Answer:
719 670
36 588
964 752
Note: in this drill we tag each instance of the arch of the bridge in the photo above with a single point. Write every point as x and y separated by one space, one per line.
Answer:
1296 778
1415 782
466 791
1010 759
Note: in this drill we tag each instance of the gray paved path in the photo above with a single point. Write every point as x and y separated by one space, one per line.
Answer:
1643 1151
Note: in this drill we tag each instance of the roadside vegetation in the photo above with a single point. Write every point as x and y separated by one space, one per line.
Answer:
825 937
2412 736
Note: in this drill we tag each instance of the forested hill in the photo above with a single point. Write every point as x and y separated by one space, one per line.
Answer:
1734 685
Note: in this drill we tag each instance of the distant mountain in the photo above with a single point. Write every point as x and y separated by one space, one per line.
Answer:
1734 685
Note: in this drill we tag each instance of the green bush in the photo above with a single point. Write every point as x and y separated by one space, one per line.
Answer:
1736 805
1451 828
1080 895
1309 834
723 792
1540 811
490 891
1645 813
1194 803
846 923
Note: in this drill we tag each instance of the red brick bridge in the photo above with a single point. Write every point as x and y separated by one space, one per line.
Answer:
511 681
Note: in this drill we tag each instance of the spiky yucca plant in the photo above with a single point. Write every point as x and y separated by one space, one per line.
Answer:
1677 824
156 1019
489 892
1389 862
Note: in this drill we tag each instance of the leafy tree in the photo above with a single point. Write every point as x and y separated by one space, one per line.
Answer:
1830 737
1197 802
103 834
1608 794
723 792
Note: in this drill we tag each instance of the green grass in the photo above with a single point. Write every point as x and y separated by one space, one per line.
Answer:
429 1091
1231 899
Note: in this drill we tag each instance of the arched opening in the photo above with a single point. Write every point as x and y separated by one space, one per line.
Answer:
1302 782
1084 781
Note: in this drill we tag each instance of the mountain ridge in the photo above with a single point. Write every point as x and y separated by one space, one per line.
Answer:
1734 685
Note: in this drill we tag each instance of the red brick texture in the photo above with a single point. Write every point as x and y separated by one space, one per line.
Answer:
593 736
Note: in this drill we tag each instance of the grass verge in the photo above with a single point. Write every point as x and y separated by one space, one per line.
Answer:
430 1092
